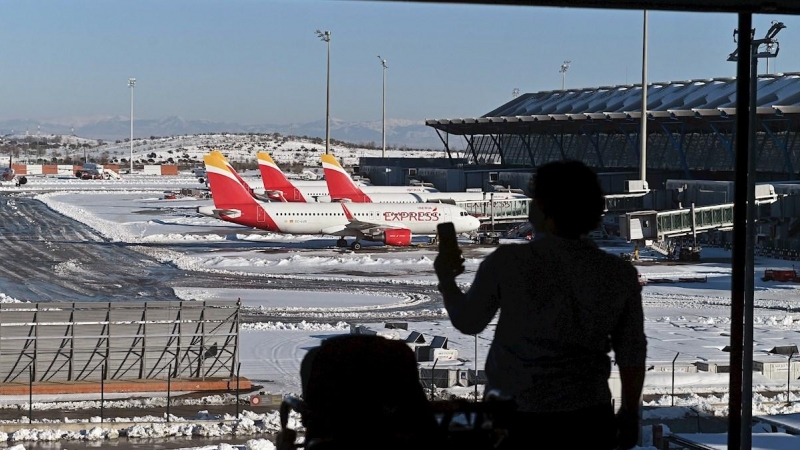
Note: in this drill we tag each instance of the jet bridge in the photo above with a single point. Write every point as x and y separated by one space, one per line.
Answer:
498 211
660 225
655 226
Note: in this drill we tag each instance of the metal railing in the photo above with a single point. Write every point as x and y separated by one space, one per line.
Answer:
118 341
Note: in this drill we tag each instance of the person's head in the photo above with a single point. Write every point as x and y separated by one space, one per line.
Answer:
568 197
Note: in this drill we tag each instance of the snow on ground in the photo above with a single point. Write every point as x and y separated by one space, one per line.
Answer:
266 299
238 148
691 320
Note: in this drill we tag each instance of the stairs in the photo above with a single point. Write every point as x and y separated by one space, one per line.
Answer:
660 247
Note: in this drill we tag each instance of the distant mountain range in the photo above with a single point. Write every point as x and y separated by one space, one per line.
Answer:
408 133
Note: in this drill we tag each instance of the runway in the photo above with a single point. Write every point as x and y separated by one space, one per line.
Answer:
52 258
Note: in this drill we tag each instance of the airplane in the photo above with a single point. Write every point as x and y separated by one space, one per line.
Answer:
392 224
8 174
278 185
253 187
341 187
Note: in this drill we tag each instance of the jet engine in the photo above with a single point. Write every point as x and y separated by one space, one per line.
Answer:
399 237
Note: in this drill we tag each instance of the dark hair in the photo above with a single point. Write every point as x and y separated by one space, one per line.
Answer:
569 193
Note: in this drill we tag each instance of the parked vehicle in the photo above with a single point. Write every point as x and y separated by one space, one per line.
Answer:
781 275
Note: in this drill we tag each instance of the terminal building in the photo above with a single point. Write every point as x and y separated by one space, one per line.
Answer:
690 137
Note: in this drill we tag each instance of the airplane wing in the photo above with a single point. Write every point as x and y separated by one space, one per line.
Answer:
359 228
365 227
362 226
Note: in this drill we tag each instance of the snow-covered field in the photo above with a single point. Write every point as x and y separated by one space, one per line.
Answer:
189 149
691 320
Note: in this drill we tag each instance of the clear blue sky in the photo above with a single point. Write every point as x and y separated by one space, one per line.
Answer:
258 61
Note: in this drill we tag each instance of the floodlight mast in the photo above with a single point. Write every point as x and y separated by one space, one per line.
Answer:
325 36
643 125
563 72
131 84
383 133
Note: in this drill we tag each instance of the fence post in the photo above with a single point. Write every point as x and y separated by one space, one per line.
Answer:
169 390
789 378
673 377
475 379
238 370
102 393
30 394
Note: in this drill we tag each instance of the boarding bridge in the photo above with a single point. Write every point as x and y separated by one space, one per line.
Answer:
684 222
515 211
654 226
659 225
498 211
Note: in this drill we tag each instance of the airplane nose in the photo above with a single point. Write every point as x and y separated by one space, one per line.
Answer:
473 223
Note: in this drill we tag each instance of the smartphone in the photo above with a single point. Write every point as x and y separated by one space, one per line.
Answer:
448 243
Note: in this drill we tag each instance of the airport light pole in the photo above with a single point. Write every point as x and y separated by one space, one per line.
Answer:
643 129
326 37
383 132
131 84
563 72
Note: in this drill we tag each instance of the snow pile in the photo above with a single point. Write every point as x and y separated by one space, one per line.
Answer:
301 326
249 423
149 402
259 444
6 299
39 435
717 405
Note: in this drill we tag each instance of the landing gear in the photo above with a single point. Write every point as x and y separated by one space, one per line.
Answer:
355 246
341 242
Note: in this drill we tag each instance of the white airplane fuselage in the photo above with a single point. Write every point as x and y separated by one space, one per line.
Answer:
437 197
332 218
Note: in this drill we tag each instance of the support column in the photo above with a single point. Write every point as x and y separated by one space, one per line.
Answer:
738 272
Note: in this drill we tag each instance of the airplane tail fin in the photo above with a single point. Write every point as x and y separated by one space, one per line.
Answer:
226 189
233 171
340 185
276 184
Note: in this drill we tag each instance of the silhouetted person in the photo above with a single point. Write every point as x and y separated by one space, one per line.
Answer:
363 392
564 305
